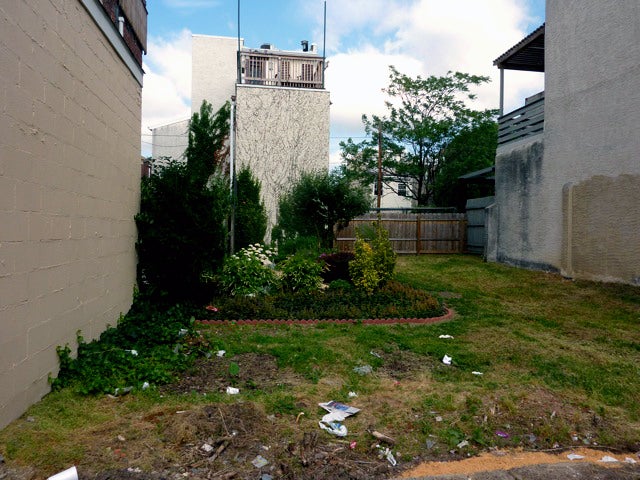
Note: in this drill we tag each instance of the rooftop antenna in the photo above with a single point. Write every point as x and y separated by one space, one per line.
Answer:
324 42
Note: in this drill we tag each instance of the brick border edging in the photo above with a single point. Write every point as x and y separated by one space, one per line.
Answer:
370 321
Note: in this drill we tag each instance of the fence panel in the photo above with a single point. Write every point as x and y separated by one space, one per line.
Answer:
412 233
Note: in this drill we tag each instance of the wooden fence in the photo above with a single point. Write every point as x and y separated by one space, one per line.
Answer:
413 233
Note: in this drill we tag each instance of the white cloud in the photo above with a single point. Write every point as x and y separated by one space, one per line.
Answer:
421 37
166 96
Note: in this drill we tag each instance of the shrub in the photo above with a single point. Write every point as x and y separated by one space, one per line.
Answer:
181 232
250 213
151 344
317 203
300 274
336 266
374 260
249 272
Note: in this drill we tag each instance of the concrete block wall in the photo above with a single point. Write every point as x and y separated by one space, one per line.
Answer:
69 189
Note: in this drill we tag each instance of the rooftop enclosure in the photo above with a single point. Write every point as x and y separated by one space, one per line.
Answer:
527 55
275 68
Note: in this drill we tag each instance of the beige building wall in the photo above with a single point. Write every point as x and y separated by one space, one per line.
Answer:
69 186
170 140
282 132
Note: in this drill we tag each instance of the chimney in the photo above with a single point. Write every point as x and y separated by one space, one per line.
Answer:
305 45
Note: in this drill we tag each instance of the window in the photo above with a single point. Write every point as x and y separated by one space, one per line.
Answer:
402 189
256 70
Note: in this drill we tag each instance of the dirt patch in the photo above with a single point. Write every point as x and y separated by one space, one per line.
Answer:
402 364
255 371
506 460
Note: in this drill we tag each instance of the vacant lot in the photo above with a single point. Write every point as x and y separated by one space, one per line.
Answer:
556 362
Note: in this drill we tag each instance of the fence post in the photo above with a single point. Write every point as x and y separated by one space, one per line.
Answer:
418 235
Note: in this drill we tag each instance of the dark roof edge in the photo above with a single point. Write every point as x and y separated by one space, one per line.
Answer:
520 45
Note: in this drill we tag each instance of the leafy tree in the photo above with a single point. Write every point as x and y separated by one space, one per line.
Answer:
472 149
317 204
183 211
251 215
424 115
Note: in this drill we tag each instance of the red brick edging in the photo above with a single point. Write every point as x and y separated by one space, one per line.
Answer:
369 321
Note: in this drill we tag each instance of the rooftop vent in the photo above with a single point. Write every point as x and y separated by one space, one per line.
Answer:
305 45
268 46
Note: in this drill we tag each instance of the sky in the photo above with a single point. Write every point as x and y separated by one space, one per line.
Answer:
363 38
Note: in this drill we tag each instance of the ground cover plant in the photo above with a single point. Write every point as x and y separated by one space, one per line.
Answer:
559 359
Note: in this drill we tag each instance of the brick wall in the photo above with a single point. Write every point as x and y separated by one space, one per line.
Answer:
69 188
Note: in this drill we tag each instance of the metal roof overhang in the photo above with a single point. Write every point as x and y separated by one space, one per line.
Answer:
527 55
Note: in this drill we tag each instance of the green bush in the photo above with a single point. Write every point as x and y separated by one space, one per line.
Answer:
181 232
183 214
317 204
300 274
249 272
151 344
394 300
374 260
250 212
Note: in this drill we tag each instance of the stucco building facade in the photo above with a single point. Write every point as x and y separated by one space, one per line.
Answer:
70 95
568 184
281 110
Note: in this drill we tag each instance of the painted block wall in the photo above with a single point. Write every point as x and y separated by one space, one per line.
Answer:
69 189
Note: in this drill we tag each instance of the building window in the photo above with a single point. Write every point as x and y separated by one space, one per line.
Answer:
375 188
402 189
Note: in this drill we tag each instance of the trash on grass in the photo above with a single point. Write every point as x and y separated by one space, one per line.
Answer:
363 370
354 444
145 385
233 390
334 428
438 418
575 456
266 476
430 444
385 452
122 391
445 336
182 332
377 355
68 474
352 394
132 352
629 460
337 413
463 444
477 373
259 461
220 353
382 437
608 459
502 434
333 406
207 448
446 360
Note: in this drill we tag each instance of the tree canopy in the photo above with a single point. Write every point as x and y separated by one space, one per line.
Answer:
423 116
316 204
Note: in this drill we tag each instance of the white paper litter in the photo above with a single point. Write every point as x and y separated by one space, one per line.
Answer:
333 406
608 459
259 461
233 390
477 373
446 360
207 448
575 456
629 460
352 394
334 428
445 336
220 353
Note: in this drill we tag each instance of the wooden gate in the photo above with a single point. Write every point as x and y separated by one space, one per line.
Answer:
412 233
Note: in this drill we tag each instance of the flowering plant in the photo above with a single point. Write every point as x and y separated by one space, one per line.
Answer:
250 271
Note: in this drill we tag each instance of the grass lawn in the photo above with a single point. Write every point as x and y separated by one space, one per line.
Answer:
560 364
